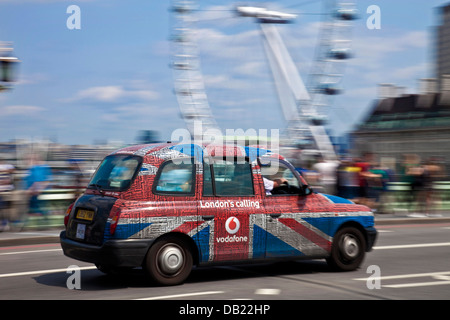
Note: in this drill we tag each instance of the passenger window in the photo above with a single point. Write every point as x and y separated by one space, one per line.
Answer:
175 178
228 178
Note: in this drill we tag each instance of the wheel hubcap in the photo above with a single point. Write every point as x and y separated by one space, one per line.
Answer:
350 246
170 259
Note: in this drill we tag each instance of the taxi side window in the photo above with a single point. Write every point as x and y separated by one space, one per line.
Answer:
175 178
227 178
277 170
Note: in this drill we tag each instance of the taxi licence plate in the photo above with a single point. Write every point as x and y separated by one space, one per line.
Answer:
85 214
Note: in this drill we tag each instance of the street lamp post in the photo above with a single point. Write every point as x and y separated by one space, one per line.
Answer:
8 65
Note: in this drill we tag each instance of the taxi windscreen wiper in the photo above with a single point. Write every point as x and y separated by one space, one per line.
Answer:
98 187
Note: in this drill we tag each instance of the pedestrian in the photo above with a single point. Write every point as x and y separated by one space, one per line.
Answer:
414 173
348 180
6 187
327 171
37 180
433 172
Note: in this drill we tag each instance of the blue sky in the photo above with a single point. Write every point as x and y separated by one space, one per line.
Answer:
112 77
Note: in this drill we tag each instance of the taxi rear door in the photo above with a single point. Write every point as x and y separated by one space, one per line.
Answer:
227 207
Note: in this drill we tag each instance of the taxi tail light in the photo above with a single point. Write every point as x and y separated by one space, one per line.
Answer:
114 217
68 211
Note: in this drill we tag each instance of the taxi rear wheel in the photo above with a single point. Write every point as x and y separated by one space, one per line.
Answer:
169 261
348 249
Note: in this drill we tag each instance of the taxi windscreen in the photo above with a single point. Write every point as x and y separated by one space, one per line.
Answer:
116 172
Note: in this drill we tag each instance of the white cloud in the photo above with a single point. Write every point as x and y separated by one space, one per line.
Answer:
105 93
31 79
371 51
138 112
226 82
113 94
411 72
20 110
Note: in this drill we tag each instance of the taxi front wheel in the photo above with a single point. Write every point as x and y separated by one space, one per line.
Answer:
169 261
348 249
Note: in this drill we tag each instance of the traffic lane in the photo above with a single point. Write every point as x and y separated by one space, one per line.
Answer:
418 233
265 281
21 267
26 257
283 280
405 250
412 260
413 247
288 280
45 277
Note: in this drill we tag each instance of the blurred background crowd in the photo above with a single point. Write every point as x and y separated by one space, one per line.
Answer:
415 186
42 179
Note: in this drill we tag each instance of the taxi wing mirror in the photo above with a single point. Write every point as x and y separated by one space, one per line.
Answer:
306 190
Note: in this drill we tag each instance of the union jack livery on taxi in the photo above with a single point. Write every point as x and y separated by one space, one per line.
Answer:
167 207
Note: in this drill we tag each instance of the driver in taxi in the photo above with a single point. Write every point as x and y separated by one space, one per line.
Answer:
269 185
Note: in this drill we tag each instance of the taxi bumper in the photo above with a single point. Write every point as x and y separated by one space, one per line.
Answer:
371 234
117 253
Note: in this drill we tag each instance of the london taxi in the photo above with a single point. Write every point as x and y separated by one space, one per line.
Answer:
167 207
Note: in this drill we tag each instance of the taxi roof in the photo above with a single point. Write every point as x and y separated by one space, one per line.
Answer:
179 150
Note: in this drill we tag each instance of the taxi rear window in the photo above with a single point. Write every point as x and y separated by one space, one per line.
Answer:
175 178
116 172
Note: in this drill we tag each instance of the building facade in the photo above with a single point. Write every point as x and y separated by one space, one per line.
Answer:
409 124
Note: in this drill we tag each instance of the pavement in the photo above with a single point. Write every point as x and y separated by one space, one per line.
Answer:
50 234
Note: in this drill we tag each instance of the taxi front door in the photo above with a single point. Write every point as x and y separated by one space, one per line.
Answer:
289 213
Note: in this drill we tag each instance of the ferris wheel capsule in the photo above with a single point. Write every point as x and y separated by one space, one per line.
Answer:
329 88
318 120
183 7
346 14
340 53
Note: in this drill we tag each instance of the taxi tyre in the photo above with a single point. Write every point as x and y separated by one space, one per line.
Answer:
169 261
348 249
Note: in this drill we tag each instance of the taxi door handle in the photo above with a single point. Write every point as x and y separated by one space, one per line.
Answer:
275 215
208 217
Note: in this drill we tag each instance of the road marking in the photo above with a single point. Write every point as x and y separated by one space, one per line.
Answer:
405 276
182 295
442 277
407 246
27 273
268 291
419 284
35 251
30 246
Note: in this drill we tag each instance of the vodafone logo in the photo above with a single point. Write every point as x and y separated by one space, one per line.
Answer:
232 225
